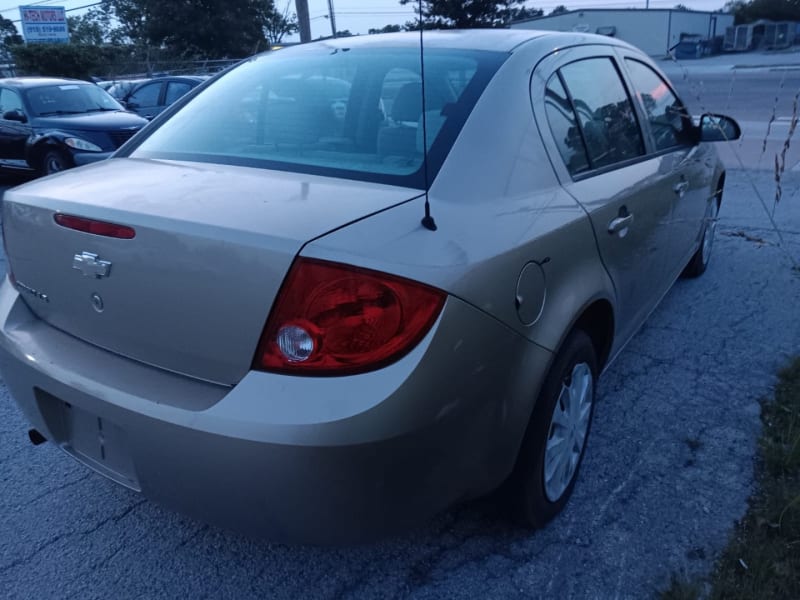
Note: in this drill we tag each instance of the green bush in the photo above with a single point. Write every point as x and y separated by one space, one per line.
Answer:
65 60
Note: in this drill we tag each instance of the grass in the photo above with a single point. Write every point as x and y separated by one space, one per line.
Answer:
762 559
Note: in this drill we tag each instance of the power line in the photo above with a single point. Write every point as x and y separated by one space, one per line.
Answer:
66 10
5 10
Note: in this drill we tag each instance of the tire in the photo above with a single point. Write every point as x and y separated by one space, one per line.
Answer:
699 261
541 483
54 161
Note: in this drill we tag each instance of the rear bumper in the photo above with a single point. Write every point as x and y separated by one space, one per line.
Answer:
298 460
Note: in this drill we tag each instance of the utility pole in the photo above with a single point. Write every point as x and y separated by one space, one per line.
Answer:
303 20
332 17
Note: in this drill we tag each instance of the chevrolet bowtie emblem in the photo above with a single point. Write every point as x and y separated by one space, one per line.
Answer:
88 264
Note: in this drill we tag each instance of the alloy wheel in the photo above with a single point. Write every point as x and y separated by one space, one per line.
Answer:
569 426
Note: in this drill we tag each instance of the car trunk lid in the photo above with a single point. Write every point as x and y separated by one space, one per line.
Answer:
192 290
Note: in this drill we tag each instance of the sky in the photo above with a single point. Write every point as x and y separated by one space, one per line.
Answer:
359 16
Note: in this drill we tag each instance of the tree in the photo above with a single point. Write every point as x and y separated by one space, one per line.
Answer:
93 27
9 38
774 10
278 24
521 13
558 10
64 60
209 28
387 29
463 14
194 28
130 14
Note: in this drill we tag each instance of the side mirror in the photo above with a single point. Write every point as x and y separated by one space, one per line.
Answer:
15 115
718 128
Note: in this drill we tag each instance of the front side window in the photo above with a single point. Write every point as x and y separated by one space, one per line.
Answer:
354 113
9 101
670 123
604 111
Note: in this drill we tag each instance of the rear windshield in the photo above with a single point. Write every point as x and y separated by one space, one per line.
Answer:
68 99
354 113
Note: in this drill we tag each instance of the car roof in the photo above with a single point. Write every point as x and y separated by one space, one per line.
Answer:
135 80
498 40
161 77
180 78
32 82
168 78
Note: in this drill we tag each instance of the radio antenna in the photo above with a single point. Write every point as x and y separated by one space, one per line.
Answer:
427 220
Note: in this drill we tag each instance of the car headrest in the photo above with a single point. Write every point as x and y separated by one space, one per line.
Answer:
407 104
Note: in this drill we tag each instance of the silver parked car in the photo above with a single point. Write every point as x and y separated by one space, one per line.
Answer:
322 299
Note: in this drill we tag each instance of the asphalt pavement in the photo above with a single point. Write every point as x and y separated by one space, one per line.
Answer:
668 471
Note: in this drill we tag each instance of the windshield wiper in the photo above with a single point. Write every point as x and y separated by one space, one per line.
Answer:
102 109
61 112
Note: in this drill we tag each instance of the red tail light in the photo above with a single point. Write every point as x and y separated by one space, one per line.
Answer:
332 319
95 227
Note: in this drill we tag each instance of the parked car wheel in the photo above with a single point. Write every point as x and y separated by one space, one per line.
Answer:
699 262
54 161
555 441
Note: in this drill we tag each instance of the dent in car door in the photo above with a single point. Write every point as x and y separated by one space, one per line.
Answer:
688 166
593 137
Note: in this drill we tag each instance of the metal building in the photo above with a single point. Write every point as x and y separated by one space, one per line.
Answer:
655 31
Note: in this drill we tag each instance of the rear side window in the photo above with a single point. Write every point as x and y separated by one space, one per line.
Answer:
604 112
565 127
147 95
176 89
670 123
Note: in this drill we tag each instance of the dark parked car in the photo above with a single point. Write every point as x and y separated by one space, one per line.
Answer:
151 97
48 125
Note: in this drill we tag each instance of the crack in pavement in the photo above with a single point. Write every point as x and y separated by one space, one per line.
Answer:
53 490
53 540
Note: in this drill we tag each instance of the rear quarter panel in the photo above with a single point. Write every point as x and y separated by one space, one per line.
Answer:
498 207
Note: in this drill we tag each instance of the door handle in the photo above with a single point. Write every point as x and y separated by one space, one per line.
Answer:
680 188
620 223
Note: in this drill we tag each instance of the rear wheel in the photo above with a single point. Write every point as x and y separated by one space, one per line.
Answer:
699 262
54 161
554 443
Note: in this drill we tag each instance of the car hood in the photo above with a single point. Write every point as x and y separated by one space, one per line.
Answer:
94 121
192 290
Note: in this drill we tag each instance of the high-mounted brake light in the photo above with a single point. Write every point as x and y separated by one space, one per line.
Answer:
95 227
333 319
